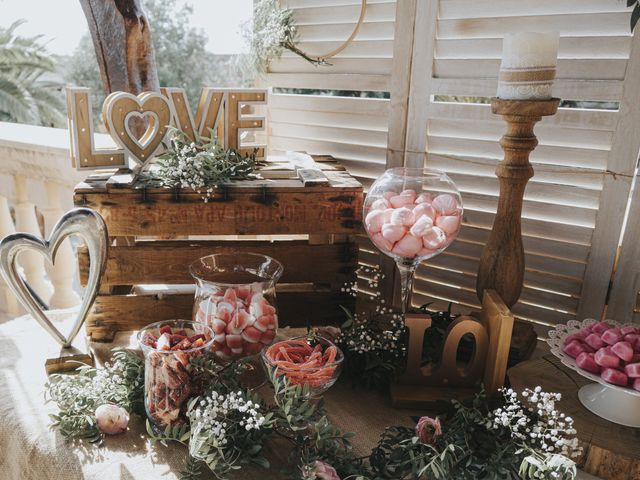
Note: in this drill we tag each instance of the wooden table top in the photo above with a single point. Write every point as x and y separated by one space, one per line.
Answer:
611 451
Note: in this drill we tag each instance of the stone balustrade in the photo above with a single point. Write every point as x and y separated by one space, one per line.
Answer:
36 188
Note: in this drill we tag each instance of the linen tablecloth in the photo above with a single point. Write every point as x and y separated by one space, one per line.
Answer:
30 450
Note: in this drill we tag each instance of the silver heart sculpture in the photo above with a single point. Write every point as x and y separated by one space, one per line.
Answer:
84 222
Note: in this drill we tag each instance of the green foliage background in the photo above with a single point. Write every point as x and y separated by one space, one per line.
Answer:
29 91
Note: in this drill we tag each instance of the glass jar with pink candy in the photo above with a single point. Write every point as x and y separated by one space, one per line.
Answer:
411 215
236 297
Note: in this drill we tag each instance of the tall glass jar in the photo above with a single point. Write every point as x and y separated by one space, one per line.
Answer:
236 297
411 215
169 378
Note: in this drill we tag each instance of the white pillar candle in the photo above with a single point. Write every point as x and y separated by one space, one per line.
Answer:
528 65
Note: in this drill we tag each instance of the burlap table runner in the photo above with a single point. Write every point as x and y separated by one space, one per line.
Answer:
29 450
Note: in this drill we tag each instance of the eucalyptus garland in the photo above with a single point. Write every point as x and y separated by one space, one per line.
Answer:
229 425
78 396
200 165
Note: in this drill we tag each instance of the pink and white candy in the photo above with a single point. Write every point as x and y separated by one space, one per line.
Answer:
414 225
243 321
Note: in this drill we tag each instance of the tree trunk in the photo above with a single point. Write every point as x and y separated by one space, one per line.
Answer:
122 40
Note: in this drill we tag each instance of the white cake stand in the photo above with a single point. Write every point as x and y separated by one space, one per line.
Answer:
620 405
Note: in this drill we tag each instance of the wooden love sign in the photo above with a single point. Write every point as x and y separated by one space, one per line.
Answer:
422 385
222 111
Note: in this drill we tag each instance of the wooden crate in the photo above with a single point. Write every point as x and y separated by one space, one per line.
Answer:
152 232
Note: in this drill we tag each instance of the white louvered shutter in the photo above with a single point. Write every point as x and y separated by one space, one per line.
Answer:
574 205
581 164
351 129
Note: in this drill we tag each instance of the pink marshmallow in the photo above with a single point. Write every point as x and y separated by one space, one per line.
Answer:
449 224
594 341
422 225
434 238
408 246
392 232
606 358
586 362
627 329
387 195
424 198
400 201
623 350
387 215
445 204
381 242
380 204
615 377
632 370
425 209
574 348
579 335
403 216
612 336
601 327
409 192
631 337
374 221
636 384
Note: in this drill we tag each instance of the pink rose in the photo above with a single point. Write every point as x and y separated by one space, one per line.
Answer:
112 419
323 471
428 430
329 332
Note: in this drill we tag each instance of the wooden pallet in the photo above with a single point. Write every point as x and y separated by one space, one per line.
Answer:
153 243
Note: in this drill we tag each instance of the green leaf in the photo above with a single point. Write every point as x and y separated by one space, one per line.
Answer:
263 462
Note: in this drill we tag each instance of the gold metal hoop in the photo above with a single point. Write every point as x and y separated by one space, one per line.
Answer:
322 58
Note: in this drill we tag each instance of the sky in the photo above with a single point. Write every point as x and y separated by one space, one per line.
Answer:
62 22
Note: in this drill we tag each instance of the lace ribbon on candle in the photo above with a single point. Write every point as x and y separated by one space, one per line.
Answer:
527 91
533 83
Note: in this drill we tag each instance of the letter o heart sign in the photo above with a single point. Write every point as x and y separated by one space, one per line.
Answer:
120 108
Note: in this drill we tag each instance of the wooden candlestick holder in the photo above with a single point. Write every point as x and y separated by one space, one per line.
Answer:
502 261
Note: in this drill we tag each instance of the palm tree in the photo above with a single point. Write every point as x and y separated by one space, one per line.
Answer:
26 96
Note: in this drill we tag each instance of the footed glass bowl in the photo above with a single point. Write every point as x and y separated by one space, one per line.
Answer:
312 361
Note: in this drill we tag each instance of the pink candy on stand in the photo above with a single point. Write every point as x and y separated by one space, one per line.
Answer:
408 225
242 319
612 352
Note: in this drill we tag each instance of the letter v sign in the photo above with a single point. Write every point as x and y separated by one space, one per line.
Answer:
219 110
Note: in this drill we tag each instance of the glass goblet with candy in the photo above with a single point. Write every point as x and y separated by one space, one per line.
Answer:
411 215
